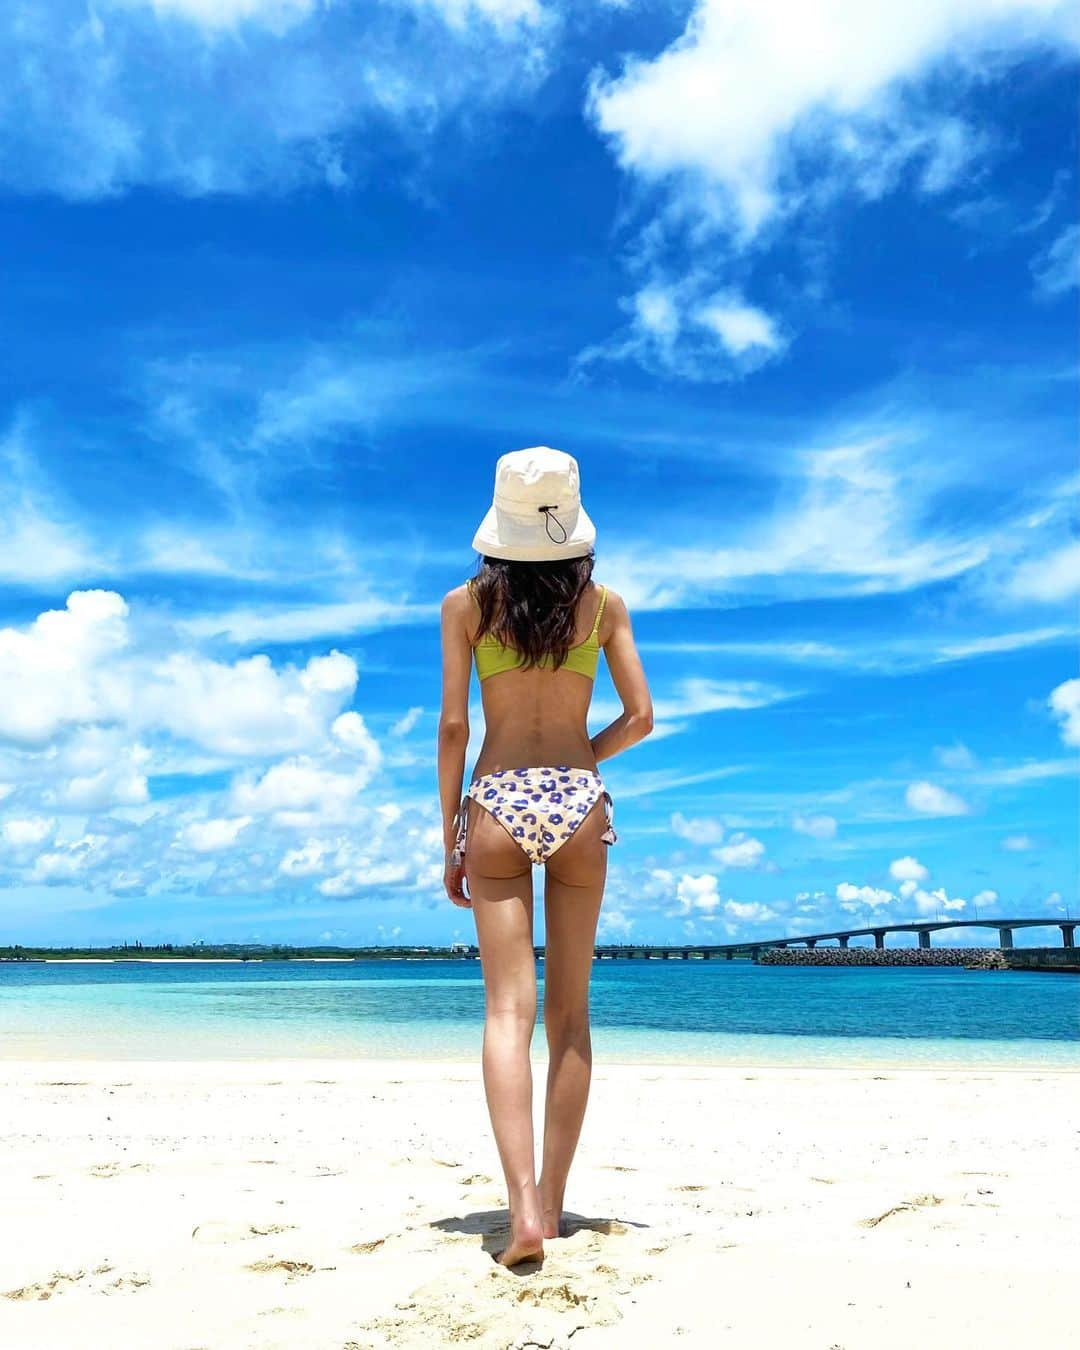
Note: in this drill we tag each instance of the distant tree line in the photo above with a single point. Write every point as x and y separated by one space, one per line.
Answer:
237 951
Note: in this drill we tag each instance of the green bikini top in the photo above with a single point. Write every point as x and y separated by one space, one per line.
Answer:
493 657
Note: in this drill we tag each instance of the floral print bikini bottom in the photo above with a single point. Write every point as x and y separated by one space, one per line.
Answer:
539 807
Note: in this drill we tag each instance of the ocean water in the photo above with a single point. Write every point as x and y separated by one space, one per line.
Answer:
690 1012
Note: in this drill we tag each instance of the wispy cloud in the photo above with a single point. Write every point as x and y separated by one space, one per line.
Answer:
204 97
1057 270
761 115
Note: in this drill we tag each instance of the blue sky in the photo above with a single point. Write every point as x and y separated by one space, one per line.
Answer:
797 289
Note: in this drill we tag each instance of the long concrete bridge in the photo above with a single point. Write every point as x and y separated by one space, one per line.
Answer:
753 948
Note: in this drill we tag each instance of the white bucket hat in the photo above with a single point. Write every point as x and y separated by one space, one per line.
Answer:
537 515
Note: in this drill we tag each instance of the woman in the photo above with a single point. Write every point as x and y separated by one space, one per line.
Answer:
534 621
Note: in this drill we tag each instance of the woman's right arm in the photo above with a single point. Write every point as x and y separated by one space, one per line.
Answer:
628 676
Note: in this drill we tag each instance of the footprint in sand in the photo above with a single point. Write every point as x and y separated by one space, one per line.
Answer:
906 1206
114 1169
689 1188
477 1179
624 1278
293 1269
61 1280
225 1230
56 1284
363 1248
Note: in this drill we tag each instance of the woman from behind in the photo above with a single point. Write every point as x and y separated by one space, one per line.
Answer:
535 622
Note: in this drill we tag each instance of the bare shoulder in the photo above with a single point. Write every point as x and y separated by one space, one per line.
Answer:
613 601
615 613
457 603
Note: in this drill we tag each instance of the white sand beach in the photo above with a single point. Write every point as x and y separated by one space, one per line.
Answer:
287 1204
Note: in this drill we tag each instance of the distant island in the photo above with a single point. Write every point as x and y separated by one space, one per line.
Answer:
235 951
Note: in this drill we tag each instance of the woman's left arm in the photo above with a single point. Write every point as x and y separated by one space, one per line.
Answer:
453 726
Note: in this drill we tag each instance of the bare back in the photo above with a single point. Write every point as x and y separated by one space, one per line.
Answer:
538 715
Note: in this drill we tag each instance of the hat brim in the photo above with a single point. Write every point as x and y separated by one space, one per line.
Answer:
518 538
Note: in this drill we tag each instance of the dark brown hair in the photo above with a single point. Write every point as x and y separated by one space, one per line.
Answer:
532 606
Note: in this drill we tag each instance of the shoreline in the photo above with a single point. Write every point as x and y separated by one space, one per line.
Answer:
420 1067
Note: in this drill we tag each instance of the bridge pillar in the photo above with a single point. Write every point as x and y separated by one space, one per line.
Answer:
844 941
879 939
1005 937
685 956
811 943
924 939
665 953
755 952
730 956
1068 934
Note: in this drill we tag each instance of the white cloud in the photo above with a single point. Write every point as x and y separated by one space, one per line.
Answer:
1064 703
763 112
697 829
684 328
937 902
853 897
933 800
817 827
955 756
30 832
1049 578
306 861
749 911
210 836
614 923
98 703
246 707
356 880
1057 270
998 642
54 673
846 523
276 15
275 623
740 851
908 869
697 694
407 721
985 899
42 543
1018 843
1032 771
81 666
697 893
301 792
121 782
213 96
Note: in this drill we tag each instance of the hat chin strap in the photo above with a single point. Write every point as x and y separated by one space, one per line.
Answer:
548 519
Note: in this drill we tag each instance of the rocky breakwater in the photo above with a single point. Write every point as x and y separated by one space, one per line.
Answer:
975 958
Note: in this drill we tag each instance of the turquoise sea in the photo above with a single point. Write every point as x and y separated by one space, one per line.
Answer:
643 1011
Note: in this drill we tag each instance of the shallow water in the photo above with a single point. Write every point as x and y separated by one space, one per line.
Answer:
642 1011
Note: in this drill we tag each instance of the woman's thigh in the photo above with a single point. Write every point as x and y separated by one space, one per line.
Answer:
573 894
499 879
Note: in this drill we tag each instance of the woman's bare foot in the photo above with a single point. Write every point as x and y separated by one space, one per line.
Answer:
526 1243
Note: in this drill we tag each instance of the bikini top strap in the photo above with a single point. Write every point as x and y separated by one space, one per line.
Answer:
599 612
